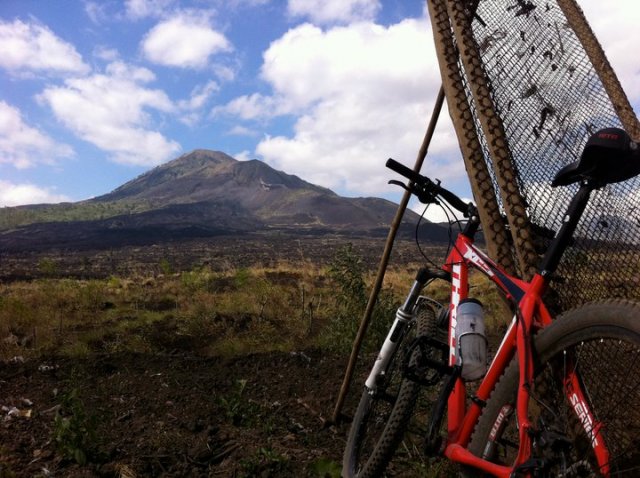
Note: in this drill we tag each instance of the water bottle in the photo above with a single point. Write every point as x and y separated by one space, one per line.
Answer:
471 339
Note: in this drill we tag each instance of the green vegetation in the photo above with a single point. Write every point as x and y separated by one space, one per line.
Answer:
324 468
212 313
228 313
12 217
266 462
74 431
238 410
351 295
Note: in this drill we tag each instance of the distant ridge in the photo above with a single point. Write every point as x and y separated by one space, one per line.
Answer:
200 194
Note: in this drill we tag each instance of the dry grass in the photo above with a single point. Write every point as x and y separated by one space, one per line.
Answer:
229 312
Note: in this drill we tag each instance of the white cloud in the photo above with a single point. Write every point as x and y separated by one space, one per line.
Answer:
200 95
224 72
243 155
192 108
619 36
106 53
241 131
137 9
334 11
184 41
111 111
30 47
23 146
363 93
97 12
124 71
253 106
19 194
435 213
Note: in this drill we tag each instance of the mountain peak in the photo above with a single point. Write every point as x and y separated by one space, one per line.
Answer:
204 175
202 155
197 163
193 162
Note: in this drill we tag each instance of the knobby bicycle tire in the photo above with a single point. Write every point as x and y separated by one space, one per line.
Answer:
602 341
381 420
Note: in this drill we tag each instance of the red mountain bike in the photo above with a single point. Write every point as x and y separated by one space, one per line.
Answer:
560 397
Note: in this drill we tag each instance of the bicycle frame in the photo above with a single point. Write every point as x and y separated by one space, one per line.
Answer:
531 315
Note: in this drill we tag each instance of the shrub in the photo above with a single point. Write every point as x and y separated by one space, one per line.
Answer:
347 273
266 462
239 410
48 266
74 431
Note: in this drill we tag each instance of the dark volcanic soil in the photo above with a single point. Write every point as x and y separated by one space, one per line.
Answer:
223 253
173 415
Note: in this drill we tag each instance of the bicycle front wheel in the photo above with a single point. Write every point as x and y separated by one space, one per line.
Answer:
600 342
382 417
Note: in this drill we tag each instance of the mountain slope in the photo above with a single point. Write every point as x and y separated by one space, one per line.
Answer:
204 175
203 193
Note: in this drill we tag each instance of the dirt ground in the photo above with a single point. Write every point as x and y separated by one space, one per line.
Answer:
222 254
171 415
175 413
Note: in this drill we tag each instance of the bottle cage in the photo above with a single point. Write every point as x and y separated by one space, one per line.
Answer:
610 156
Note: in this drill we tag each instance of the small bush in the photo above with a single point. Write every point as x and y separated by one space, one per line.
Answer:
48 266
347 273
324 468
74 431
237 408
242 277
165 267
267 463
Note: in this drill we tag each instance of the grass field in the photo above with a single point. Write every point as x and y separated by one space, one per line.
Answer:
236 311
248 361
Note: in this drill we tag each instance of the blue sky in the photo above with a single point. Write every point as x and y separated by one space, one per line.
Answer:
94 93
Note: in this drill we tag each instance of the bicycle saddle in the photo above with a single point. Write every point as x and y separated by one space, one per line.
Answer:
610 156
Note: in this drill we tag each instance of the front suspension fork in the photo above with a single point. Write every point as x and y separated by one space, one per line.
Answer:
404 315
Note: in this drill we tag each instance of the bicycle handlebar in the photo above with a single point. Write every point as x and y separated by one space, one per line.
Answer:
426 190
410 174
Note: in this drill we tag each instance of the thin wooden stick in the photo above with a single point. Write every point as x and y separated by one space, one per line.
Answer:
384 261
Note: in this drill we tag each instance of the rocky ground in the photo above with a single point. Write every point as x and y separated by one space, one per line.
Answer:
223 253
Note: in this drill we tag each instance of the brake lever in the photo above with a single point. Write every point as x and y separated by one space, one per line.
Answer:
423 196
401 184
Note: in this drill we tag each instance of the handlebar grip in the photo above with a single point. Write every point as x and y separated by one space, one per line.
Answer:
402 170
454 200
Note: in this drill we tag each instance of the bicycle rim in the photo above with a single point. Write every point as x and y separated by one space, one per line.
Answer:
601 342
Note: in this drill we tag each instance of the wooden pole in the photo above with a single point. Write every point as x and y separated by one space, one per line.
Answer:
384 261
